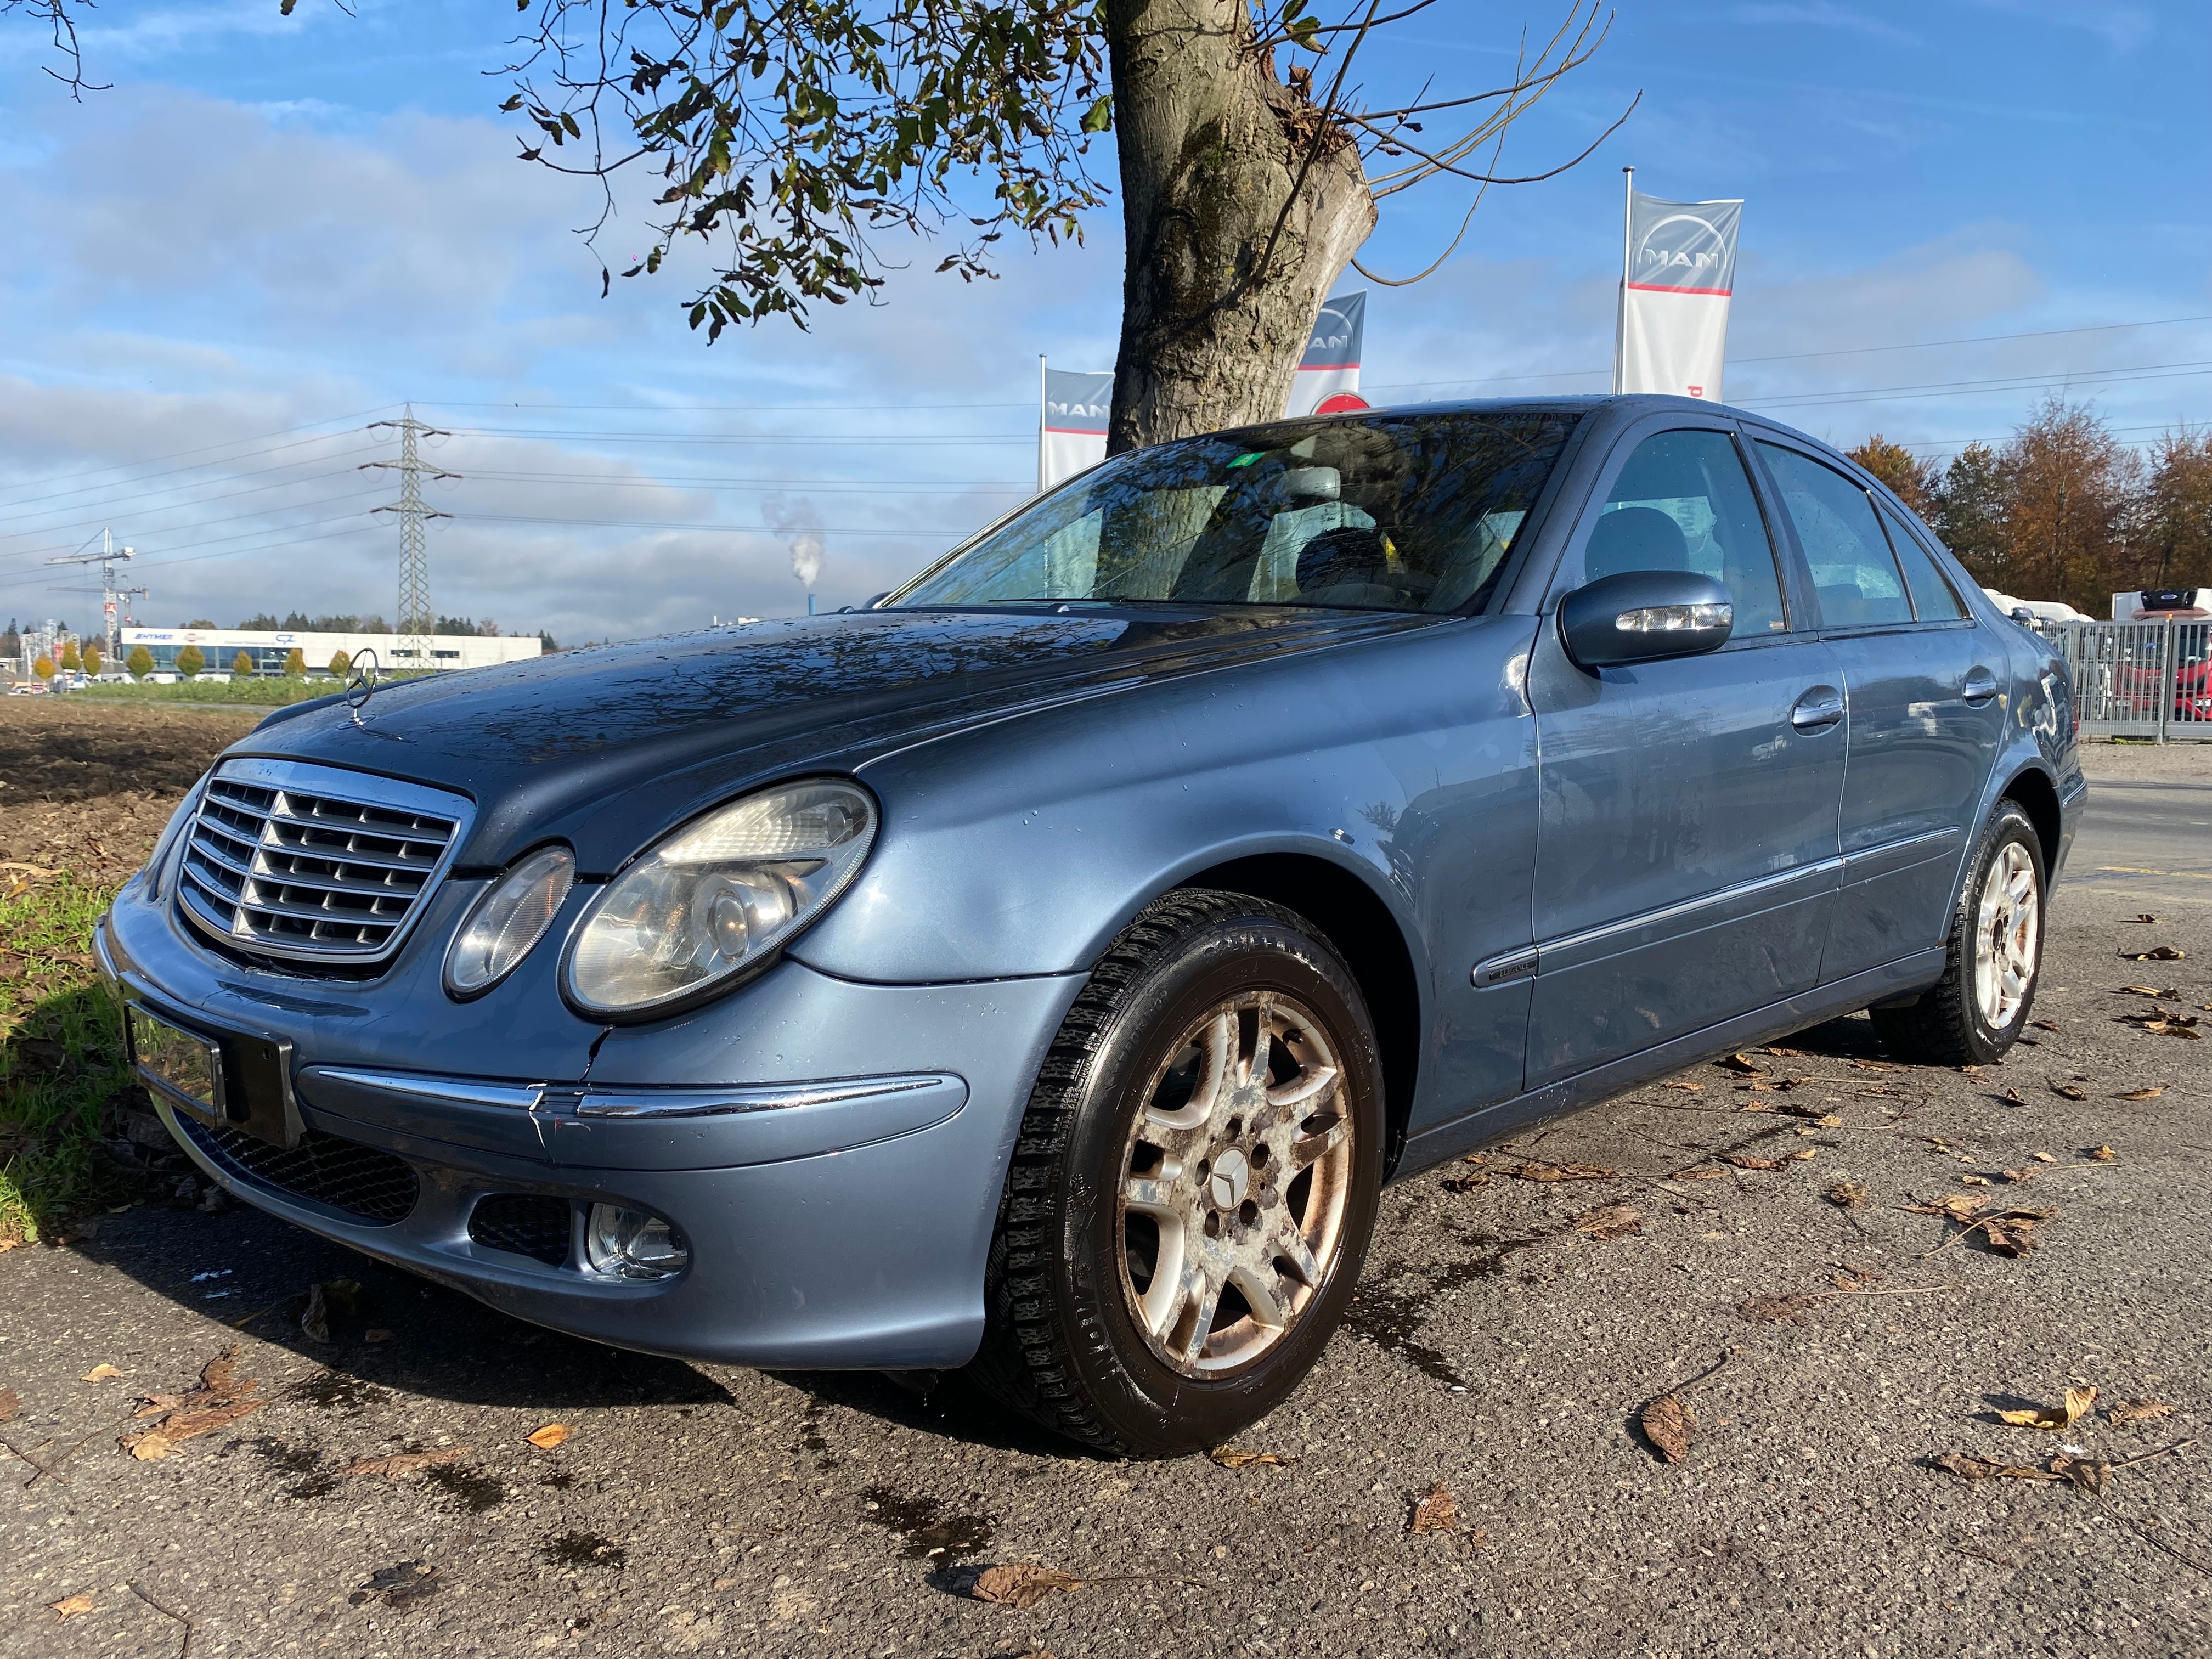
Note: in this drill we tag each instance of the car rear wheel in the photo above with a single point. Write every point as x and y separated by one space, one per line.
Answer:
1194 1185
1975 1012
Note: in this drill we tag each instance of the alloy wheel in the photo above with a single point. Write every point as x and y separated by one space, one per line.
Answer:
1233 1184
2008 930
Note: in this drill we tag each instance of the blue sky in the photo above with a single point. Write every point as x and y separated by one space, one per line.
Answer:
271 232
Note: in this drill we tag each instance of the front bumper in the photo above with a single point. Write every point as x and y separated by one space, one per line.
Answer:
838 1223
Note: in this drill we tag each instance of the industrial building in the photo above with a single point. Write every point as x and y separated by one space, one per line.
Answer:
219 649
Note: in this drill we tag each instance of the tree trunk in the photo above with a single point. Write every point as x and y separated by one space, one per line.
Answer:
1214 321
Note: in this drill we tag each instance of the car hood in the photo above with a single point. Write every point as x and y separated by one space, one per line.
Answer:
606 747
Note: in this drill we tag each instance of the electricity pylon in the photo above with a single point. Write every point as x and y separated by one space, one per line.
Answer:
416 621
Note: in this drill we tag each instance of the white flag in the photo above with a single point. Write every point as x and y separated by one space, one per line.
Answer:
1327 378
1072 425
1675 295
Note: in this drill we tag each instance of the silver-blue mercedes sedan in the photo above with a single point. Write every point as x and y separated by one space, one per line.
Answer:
1041 969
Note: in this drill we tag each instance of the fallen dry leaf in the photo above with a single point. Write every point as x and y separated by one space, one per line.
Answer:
2046 1024
1973 1180
548 1437
101 1373
1961 1207
1745 1161
1434 1510
1968 1468
221 1398
1467 1183
2099 1154
69 1606
1801 1153
2156 953
2121 1413
2062 1416
2141 916
2169 993
1562 1172
1877 1066
2021 1176
400 1465
1230 1458
1787 1053
1667 1423
2043 1157
396 1586
315 1317
1848 1278
1776 1310
1742 1064
1691 1088
2013 1098
2070 1090
1698 1172
1021 1584
2013 1233
2139 1094
11 1403
1846 1194
1609 1221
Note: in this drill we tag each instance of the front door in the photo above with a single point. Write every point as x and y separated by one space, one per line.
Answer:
1686 850
1923 680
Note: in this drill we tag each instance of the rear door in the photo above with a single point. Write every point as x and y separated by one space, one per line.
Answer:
1923 683
1686 848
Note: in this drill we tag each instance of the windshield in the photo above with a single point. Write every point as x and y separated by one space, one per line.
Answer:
1398 513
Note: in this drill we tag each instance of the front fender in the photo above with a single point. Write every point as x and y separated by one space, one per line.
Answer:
1025 846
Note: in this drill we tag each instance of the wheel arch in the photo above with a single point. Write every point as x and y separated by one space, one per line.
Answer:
2031 788
1361 925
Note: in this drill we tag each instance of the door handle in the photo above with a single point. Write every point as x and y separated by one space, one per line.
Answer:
1817 709
1981 685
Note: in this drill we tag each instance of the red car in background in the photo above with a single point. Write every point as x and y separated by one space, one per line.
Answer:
2137 683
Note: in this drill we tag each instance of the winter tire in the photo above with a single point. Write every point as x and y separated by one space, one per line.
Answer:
1194 1184
1977 1011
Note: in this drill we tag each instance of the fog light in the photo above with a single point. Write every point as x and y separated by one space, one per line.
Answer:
633 1244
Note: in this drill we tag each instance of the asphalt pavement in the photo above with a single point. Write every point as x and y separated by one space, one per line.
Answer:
369 1486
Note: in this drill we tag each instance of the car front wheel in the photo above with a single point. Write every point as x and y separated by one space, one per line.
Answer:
1976 1011
1194 1185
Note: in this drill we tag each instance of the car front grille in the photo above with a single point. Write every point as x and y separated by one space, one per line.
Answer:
522 1223
315 864
368 1184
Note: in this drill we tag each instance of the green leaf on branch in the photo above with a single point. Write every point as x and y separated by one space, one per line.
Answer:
1099 117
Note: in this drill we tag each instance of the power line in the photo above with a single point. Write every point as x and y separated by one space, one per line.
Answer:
64 525
668 523
148 460
232 518
1796 357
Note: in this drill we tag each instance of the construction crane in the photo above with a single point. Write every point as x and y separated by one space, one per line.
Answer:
110 594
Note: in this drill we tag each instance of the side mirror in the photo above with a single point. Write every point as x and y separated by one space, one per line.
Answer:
1645 616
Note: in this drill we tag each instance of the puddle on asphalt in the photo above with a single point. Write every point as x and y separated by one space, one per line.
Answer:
477 1491
303 1461
925 1532
584 1549
1391 1317
335 1391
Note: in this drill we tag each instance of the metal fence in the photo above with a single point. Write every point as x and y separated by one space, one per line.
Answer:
2149 679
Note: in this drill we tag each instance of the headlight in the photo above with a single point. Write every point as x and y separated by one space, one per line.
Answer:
508 920
719 896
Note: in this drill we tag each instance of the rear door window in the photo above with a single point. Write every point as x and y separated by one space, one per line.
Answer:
1933 599
1855 575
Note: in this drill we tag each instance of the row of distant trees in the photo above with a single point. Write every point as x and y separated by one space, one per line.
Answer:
2063 510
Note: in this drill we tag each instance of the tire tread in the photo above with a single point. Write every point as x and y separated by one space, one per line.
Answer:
1023 1362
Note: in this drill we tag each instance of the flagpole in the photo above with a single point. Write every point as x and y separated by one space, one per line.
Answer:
1621 303
1040 412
